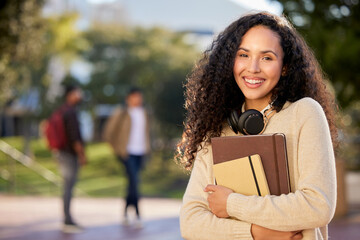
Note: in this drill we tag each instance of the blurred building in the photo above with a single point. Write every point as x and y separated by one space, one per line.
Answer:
15 116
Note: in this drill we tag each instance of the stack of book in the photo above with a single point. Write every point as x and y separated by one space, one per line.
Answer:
252 165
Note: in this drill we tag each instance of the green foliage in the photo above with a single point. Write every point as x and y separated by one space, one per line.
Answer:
103 176
350 141
21 44
29 43
64 40
157 60
154 59
332 29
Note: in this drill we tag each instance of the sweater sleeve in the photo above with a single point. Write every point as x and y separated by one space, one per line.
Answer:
196 219
313 203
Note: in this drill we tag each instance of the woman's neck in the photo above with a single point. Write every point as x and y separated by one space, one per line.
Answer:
256 104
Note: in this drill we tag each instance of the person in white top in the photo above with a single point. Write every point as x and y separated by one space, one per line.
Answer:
127 131
137 138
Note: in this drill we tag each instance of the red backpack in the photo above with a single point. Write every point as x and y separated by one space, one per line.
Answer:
55 130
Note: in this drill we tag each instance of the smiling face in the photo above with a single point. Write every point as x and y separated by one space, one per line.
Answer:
258 66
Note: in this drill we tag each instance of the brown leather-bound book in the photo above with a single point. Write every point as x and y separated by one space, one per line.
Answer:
271 149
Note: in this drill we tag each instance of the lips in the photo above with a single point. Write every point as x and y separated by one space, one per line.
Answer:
253 82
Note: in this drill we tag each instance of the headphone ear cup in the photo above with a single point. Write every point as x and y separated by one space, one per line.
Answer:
251 122
233 121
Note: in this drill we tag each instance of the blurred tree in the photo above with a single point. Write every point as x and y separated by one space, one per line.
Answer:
61 43
64 44
21 48
64 39
21 42
28 44
154 59
332 29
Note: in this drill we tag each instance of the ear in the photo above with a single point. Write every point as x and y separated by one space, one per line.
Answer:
284 71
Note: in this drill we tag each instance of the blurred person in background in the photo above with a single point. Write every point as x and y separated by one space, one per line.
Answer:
127 131
72 154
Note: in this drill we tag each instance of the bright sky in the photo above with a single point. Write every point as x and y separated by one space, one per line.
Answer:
100 1
267 5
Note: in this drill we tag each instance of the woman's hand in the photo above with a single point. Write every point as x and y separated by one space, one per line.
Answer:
217 202
217 199
260 233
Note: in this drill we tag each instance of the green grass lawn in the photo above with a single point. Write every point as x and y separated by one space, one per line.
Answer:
103 176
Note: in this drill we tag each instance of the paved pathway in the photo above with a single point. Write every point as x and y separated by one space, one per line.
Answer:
34 218
39 218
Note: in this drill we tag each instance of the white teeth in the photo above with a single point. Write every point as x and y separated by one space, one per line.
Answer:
253 81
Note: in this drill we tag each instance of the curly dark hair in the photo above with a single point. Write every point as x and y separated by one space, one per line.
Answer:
212 92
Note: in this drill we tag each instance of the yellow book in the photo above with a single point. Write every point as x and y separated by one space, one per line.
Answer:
243 175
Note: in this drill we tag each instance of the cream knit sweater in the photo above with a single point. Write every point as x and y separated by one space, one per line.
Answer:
309 207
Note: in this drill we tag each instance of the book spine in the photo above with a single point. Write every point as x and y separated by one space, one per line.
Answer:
278 189
254 175
284 168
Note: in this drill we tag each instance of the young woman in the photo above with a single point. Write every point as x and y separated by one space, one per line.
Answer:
259 60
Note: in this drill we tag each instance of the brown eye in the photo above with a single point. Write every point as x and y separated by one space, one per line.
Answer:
267 58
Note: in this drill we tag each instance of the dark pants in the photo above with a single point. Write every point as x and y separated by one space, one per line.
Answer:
69 168
132 165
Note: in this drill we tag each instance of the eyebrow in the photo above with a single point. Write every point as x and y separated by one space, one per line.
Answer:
265 51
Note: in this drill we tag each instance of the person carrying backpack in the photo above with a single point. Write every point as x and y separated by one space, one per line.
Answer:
65 141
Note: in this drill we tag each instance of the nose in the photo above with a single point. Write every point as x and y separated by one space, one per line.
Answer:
254 66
